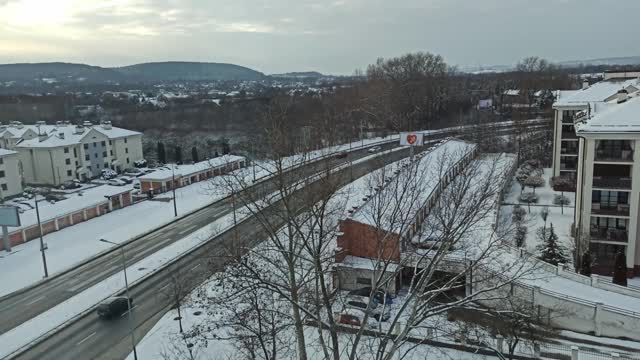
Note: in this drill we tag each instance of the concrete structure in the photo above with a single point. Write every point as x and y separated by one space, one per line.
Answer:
597 130
10 179
161 180
53 154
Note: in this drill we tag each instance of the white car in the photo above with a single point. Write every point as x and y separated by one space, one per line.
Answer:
116 182
374 149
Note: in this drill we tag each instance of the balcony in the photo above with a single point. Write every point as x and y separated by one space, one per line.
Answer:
612 182
569 135
614 155
605 209
608 234
568 150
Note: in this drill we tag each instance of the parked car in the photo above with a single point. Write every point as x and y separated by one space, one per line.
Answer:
374 149
140 163
341 155
136 185
354 317
108 174
51 197
380 313
114 307
133 171
126 180
116 182
70 184
379 296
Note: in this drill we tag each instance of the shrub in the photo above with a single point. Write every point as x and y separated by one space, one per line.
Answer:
518 213
561 200
529 197
520 236
534 181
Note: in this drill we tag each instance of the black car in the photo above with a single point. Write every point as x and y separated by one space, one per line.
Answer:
114 307
379 297
342 155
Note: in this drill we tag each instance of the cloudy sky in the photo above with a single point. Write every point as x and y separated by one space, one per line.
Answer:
331 36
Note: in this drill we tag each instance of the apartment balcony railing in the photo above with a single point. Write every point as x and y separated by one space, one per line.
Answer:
569 135
609 234
612 182
568 166
569 150
614 155
605 209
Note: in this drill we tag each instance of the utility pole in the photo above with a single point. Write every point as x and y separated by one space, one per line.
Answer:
173 188
126 286
43 247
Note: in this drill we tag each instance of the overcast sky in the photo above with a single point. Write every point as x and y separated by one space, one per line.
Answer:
331 36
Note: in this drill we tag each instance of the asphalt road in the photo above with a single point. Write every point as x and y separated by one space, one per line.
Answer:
22 306
92 338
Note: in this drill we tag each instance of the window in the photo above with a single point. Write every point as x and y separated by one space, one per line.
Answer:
5 187
111 152
86 146
89 168
363 281
127 160
76 163
69 173
1 161
95 144
98 166
126 150
125 140
66 150
104 154
1 173
103 143
75 152
106 166
109 142
67 161
87 157
95 155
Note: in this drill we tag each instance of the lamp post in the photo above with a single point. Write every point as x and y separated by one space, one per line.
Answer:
126 286
173 188
43 247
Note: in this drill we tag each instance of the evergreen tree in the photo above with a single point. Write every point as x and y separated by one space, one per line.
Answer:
550 249
620 271
194 154
585 267
162 155
216 154
178 157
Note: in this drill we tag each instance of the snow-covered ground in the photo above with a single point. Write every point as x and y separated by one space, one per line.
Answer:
560 217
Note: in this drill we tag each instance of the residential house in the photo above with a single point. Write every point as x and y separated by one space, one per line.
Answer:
10 179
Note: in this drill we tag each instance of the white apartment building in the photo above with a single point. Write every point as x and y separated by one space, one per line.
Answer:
52 154
570 103
10 179
607 170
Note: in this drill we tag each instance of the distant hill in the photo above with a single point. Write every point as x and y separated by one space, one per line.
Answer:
299 75
58 72
626 60
192 71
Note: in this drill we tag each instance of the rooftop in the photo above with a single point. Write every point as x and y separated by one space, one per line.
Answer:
189 169
599 92
5 152
612 117
64 134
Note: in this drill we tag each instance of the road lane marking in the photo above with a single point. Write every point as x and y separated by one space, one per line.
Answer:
164 287
86 338
35 300
126 312
195 267
188 229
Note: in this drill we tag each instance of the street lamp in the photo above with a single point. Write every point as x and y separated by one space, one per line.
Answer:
173 188
43 247
126 286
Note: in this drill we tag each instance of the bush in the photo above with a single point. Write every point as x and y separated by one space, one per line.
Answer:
529 197
518 213
521 235
563 183
534 181
561 200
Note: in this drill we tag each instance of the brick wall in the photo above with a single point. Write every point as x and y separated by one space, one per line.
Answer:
91 213
126 199
367 241
64 222
78 217
48 227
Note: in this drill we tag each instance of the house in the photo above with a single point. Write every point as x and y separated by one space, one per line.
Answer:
10 179
608 179
53 154
373 239
165 179
572 103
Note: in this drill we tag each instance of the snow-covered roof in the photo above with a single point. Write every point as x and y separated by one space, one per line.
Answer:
356 262
512 92
5 152
612 117
599 92
66 135
411 186
190 169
